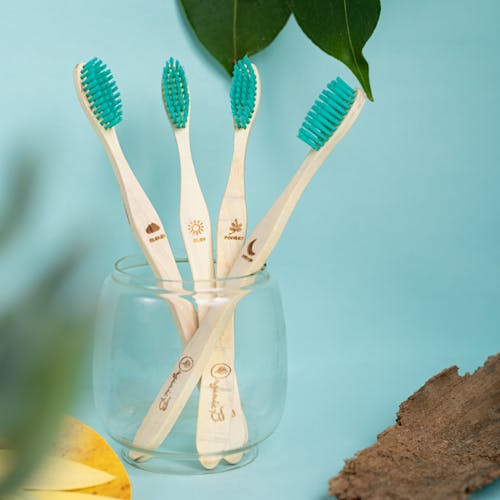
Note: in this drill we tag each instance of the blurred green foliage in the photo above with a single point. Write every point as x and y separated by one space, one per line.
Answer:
41 343
19 197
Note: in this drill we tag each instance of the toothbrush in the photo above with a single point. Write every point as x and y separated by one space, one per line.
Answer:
329 119
194 216
226 427
100 99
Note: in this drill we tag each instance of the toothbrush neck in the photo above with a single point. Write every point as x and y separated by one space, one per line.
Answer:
120 165
239 153
182 139
188 172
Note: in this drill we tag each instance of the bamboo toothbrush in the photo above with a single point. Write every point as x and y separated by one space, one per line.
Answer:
329 119
226 427
100 99
194 216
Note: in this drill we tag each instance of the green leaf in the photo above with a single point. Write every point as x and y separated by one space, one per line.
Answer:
231 29
341 28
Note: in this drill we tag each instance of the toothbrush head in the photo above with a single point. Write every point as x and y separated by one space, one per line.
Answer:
243 93
175 93
101 92
327 113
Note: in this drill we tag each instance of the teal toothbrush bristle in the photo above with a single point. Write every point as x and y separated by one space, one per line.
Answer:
327 113
102 93
243 92
175 93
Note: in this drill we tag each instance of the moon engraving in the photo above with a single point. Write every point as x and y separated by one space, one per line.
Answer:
250 247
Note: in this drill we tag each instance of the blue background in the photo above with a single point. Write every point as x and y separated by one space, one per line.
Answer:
389 266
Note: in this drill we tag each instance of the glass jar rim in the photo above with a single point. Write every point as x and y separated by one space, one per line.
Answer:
123 272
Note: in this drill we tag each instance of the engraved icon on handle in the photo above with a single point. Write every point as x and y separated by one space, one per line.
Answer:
235 228
250 251
196 227
152 228
220 370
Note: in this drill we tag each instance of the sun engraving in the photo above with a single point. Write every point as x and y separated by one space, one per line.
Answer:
235 227
196 227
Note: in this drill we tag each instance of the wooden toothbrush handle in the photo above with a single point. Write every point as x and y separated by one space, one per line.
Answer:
216 401
177 388
220 415
195 222
226 428
149 233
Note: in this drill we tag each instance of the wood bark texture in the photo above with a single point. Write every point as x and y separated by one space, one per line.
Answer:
445 443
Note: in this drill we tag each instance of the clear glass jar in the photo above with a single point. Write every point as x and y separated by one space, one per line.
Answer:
137 345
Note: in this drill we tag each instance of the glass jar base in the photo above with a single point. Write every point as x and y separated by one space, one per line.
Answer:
186 466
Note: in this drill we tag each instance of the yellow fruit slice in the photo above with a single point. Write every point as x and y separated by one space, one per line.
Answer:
66 495
80 443
59 474
80 461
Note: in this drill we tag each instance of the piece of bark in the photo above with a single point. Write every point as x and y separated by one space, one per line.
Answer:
444 445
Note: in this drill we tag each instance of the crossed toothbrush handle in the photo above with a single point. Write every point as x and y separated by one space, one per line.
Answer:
176 390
